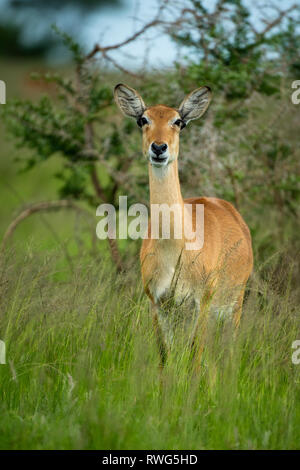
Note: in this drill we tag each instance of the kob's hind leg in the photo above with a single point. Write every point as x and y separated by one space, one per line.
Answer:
238 309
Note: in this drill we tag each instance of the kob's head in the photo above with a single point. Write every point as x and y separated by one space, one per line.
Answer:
160 124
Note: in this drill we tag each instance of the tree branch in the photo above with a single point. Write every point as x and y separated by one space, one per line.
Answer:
38 207
89 144
270 25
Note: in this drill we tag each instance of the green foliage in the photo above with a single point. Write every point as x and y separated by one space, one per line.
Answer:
46 129
76 126
76 350
231 55
59 126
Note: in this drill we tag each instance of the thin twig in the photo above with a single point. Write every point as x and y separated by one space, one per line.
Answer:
38 207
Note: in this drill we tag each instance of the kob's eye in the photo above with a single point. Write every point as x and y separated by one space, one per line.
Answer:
180 123
142 121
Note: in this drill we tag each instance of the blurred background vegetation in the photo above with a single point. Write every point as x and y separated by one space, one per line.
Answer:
72 143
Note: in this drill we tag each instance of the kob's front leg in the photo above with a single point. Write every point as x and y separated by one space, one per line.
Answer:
162 347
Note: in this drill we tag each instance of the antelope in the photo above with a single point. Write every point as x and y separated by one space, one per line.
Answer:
213 277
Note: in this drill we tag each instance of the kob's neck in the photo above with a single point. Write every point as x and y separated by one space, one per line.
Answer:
164 185
165 196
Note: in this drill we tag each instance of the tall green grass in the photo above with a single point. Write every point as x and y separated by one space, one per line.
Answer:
82 366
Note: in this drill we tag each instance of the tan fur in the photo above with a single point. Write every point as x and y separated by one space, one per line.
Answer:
218 272
160 131
224 228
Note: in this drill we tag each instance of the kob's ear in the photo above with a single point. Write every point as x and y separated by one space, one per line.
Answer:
195 104
129 101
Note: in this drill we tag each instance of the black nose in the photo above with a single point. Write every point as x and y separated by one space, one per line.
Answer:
158 149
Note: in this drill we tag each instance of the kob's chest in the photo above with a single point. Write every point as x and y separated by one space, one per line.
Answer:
165 274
